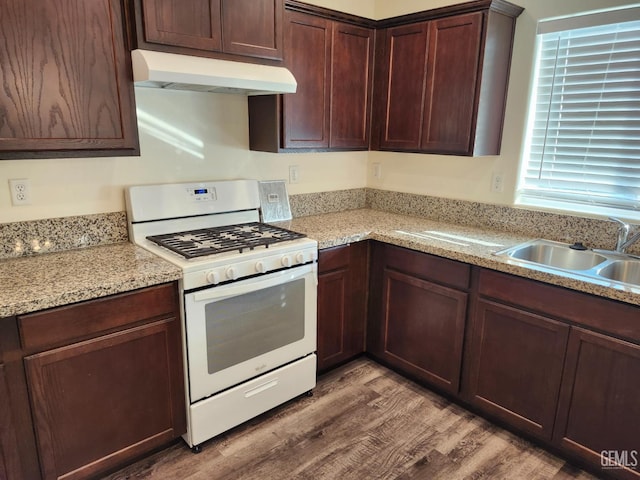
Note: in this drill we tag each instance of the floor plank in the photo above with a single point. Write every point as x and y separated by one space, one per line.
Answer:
363 422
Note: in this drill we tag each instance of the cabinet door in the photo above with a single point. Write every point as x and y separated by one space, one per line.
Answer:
402 86
422 329
342 286
253 27
192 24
308 56
599 408
452 78
351 74
515 366
67 81
6 439
101 402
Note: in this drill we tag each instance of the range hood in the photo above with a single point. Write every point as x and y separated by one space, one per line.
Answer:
183 72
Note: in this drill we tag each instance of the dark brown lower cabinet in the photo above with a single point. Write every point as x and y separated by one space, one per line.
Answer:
105 381
515 362
423 329
99 401
599 411
6 422
342 295
418 325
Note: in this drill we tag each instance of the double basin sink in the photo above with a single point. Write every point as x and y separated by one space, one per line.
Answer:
594 264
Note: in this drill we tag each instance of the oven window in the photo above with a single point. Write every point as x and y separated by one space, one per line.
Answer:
243 327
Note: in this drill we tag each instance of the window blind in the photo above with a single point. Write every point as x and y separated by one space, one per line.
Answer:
584 135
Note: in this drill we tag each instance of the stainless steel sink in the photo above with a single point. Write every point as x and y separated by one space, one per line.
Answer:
627 271
600 265
558 256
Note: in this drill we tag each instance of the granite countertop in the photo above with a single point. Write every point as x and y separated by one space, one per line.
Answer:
467 244
32 283
36 282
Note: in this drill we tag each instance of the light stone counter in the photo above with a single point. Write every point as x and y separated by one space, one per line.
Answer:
40 281
467 244
32 283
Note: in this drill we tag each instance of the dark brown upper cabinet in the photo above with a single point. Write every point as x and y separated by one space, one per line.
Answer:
214 28
252 28
332 61
195 24
308 56
351 85
406 49
67 82
441 79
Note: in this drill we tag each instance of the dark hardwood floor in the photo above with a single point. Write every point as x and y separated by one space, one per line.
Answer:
363 422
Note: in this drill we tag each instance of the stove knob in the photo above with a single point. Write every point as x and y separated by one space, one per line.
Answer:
286 261
231 273
300 257
260 267
213 277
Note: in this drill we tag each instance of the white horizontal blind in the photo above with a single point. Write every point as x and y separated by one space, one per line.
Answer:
584 143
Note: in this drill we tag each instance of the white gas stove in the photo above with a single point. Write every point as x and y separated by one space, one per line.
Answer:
249 298
211 230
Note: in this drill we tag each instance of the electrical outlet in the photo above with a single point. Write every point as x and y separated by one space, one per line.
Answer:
20 189
294 175
377 171
497 183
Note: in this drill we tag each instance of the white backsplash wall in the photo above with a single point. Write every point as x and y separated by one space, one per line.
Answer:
184 136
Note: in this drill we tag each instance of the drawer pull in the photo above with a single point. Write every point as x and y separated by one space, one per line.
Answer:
260 388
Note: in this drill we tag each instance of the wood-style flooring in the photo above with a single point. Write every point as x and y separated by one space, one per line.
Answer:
363 422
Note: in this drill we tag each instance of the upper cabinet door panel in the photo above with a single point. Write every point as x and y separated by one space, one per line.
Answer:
66 77
403 89
454 53
253 27
351 86
308 47
192 24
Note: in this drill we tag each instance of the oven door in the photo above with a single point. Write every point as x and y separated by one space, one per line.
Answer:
241 330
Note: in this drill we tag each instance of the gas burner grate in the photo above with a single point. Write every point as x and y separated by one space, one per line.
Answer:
209 241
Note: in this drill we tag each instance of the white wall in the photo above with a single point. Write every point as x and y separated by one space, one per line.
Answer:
190 136
184 136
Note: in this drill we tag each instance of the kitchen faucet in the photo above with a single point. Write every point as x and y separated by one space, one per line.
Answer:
623 242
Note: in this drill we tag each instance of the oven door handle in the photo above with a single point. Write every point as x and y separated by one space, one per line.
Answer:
233 290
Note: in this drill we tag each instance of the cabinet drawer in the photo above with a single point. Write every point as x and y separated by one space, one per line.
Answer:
428 267
83 320
333 258
609 316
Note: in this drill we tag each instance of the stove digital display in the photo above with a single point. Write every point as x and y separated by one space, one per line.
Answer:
201 193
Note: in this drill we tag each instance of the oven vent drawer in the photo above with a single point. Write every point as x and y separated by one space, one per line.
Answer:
217 414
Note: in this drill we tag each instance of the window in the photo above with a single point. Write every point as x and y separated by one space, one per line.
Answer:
583 146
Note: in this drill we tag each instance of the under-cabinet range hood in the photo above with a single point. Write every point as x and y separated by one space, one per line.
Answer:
183 72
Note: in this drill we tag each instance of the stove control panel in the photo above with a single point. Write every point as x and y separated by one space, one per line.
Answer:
246 268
